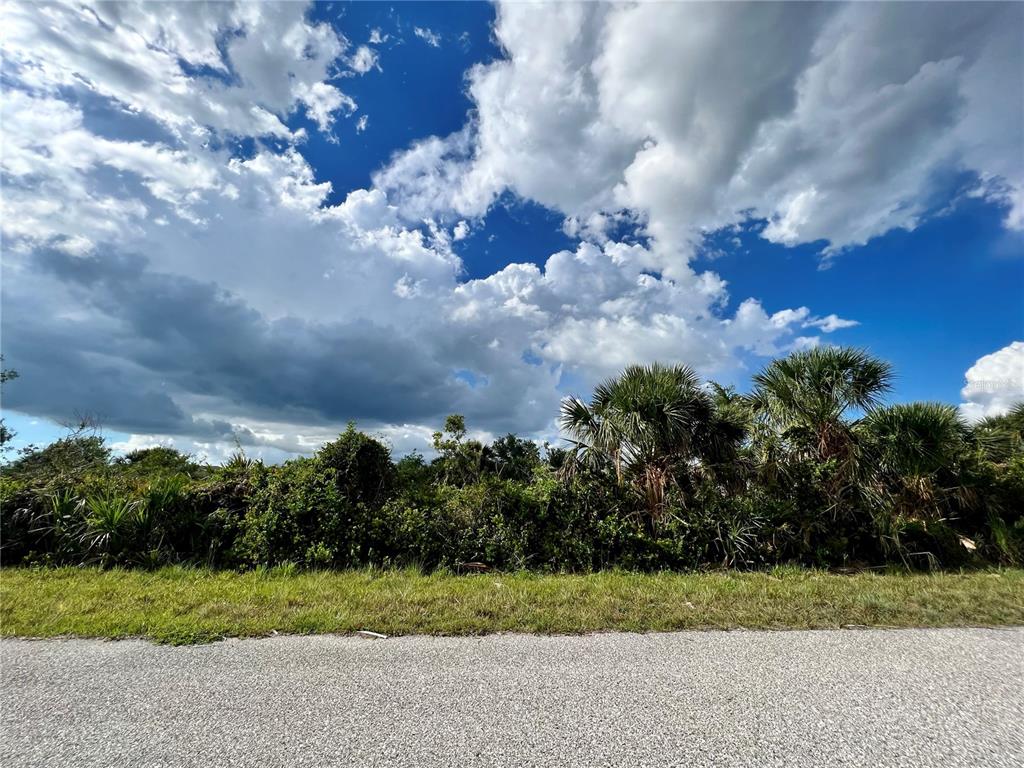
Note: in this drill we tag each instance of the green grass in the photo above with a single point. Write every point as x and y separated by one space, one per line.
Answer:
182 605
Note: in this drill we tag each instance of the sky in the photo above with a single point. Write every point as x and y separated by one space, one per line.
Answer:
248 224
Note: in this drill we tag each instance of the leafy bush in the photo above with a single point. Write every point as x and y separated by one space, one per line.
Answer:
149 462
62 463
362 467
295 509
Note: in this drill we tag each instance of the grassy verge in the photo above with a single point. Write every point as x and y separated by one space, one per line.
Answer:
180 605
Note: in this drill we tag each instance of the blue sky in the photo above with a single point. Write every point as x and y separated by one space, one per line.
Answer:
428 78
932 301
249 224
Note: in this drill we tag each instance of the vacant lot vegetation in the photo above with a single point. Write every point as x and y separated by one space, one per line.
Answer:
181 605
662 471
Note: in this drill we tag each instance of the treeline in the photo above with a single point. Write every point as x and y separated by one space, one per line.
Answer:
660 471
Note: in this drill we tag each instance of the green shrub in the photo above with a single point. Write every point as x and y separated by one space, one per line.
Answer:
362 467
113 529
61 463
294 508
158 461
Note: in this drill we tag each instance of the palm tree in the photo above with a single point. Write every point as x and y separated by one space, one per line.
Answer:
916 439
721 443
909 446
1001 437
807 396
914 451
645 426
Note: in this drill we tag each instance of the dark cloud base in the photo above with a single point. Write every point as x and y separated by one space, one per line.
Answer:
150 340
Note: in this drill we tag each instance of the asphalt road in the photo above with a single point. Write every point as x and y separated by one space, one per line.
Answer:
826 698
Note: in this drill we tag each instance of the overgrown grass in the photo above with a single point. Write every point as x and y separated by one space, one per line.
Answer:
183 605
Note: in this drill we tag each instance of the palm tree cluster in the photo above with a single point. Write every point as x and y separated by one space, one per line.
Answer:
816 419
652 426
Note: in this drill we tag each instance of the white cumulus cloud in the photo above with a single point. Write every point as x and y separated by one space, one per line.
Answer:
994 383
835 122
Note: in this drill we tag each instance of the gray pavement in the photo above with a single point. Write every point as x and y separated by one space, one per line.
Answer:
826 698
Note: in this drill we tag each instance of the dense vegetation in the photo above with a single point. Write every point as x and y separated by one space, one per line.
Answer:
662 471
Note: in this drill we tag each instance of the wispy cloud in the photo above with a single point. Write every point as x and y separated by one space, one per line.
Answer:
429 36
